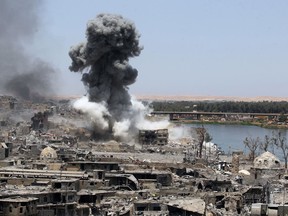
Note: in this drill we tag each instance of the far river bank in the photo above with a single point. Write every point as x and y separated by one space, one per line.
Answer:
258 124
230 136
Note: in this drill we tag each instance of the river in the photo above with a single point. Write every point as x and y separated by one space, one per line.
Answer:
231 137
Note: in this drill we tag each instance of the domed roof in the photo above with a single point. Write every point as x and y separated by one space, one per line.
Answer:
48 153
266 160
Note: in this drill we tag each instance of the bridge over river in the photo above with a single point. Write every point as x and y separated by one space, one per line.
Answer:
197 115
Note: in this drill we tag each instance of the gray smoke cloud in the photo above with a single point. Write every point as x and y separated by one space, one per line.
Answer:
111 41
21 75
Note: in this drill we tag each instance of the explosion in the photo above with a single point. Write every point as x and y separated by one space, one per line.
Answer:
104 59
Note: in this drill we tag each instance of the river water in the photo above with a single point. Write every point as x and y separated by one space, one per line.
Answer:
231 137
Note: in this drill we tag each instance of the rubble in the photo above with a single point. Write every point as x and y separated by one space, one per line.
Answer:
50 165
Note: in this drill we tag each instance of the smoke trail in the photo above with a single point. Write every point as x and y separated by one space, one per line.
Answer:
111 41
21 75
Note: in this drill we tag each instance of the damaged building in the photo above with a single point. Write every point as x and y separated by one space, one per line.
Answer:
153 137
52 169
40 121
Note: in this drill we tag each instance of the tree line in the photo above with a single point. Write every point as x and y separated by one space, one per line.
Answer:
254 144
221 106
277 139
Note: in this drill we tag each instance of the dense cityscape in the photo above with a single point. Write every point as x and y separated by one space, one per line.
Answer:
77 140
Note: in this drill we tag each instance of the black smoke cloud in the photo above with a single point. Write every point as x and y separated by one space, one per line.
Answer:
21 75
111 41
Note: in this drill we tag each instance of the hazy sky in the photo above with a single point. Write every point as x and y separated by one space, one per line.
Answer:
199 48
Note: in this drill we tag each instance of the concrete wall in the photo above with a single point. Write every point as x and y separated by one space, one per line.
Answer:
2 153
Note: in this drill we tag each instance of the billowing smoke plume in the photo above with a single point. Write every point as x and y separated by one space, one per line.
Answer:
111 41
21 75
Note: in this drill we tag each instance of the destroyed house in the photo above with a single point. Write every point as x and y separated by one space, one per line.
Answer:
125 181
93 196
66 154
230 201
45 196
268 209
44 174
92 165
39 121
61 198
153 137
186 207
42 201
18 206
160 177
4 151
56 202
65 184
93 184
216 185
150 207
254 195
